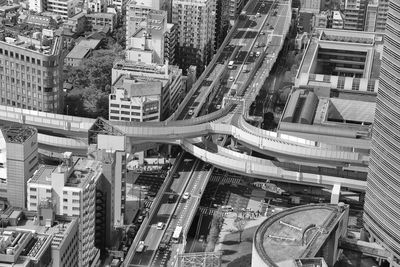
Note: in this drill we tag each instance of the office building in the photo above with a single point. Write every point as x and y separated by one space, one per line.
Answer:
31 71
144 92
196 32
26 240
354 14
289 238
20 161
71 186
382 209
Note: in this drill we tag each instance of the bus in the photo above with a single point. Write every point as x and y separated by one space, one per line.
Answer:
230 64
177 234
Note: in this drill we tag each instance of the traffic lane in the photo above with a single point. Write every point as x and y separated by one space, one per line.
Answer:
153 238
164 212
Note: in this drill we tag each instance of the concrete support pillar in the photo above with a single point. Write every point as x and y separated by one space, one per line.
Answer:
335 194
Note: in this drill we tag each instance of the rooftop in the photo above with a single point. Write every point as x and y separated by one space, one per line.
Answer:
344 111
18 134
79 174
359 54
79 52
136 86
33 40
296 233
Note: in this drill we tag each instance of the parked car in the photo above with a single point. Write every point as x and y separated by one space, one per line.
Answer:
186 195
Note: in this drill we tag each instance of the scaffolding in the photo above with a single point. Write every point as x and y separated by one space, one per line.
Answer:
205 259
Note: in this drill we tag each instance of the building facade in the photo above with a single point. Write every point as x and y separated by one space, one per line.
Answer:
354 14
72 188
31 72
21 161
196 32
382 210
144 92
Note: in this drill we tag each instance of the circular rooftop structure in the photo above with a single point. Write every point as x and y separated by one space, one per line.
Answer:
297 234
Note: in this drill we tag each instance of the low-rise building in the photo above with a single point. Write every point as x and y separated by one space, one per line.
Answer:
81 51
27 240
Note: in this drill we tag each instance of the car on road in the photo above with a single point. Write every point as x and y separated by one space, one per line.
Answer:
201 239
176 175
262 32
231 79
160 226
258 54
186 195
262 5
140 219
191 112
140 247
220 138
218 106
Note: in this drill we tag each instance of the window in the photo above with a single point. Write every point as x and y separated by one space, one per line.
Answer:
32 189
75 201
65 207
48 190
356 84
33 197
65 192
65 200
75 208
75 193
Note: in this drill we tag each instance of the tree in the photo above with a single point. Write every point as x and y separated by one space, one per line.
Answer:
240 224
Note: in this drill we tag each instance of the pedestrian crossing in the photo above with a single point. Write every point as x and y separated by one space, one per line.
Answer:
207 211
231 180
147 203
225 180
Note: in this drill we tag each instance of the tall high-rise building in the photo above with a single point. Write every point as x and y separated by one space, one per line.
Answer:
382 209
196 32
21 161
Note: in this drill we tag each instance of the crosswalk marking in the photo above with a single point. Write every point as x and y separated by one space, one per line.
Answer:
206 211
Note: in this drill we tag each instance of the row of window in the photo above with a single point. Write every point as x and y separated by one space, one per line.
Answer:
26 59
124 106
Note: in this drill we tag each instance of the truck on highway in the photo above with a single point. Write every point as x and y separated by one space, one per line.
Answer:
177 234
165 241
